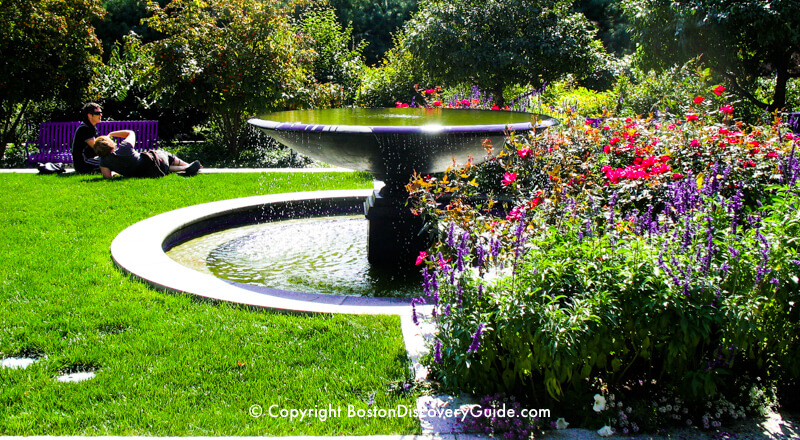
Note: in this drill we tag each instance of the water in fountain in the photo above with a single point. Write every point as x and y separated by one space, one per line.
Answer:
325 255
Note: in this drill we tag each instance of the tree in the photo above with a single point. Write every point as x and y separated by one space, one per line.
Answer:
740 39
229 58
494 43
122 18
49 51
337 61
374 22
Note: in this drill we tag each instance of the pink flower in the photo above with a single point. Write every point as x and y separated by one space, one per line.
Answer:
421 257
772 154
607 149
495 107
515 214
509 178
430 91
523 153
399 104
691 118
718 90
694 143
677 176
437 103
613 140
465 102
699 99
790 136
727 109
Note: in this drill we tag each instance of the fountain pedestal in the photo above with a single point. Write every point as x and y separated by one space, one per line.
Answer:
395 235
393 144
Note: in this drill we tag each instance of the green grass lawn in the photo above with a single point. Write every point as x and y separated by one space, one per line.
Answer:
169 364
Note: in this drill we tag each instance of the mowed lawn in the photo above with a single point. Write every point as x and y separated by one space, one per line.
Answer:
169 364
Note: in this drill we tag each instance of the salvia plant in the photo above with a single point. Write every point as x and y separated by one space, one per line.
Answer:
638 253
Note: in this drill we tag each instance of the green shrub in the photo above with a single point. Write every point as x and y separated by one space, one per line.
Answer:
391 81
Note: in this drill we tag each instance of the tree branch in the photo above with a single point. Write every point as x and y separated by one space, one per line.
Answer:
739 90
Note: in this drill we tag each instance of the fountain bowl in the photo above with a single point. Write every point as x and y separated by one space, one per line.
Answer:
393 143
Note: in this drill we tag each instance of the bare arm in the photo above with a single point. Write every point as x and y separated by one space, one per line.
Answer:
106 172
128 135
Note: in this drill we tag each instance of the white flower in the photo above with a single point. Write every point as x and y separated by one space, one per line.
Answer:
605 431
561 423
599 403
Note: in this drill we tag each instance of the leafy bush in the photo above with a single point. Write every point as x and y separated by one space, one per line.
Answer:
391 81
637 254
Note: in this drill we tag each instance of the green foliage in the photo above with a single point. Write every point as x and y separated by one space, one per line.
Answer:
612 25
494 43
124 18
335 63
230 59
374 23
742 40
49 52
394 80
643 93
565 94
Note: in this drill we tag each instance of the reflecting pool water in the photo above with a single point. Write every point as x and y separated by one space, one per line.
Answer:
325 255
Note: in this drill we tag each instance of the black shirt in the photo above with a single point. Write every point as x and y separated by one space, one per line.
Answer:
81 151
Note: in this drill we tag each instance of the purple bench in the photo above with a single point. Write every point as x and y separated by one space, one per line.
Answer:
55 138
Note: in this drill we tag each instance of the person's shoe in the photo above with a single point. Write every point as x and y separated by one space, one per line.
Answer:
193 168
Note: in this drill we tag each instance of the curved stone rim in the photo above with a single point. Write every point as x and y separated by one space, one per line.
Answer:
389 129
139 250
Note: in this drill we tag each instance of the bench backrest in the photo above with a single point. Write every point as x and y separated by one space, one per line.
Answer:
56 137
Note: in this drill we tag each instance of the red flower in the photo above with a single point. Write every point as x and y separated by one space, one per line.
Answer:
607 149
691 118
399 104
421 257
613 140
772 154
694 143
437 103
677 176
495 107
699 99
718 90
430 91
465 102
523 153
727 109
509 178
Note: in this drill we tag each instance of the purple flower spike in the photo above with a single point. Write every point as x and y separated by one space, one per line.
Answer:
476 339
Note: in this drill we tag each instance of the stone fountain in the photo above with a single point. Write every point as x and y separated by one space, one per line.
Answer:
392 144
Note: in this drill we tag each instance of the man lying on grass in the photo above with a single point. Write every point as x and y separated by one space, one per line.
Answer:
124 160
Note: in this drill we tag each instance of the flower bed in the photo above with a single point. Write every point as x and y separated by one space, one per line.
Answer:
642 258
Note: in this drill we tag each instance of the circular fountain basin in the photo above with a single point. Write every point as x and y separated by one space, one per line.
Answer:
393 143
331 258
141 251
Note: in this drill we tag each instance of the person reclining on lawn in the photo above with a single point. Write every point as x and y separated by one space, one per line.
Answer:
122 159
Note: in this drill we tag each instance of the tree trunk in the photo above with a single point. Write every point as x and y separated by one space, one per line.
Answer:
779 97
497 94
